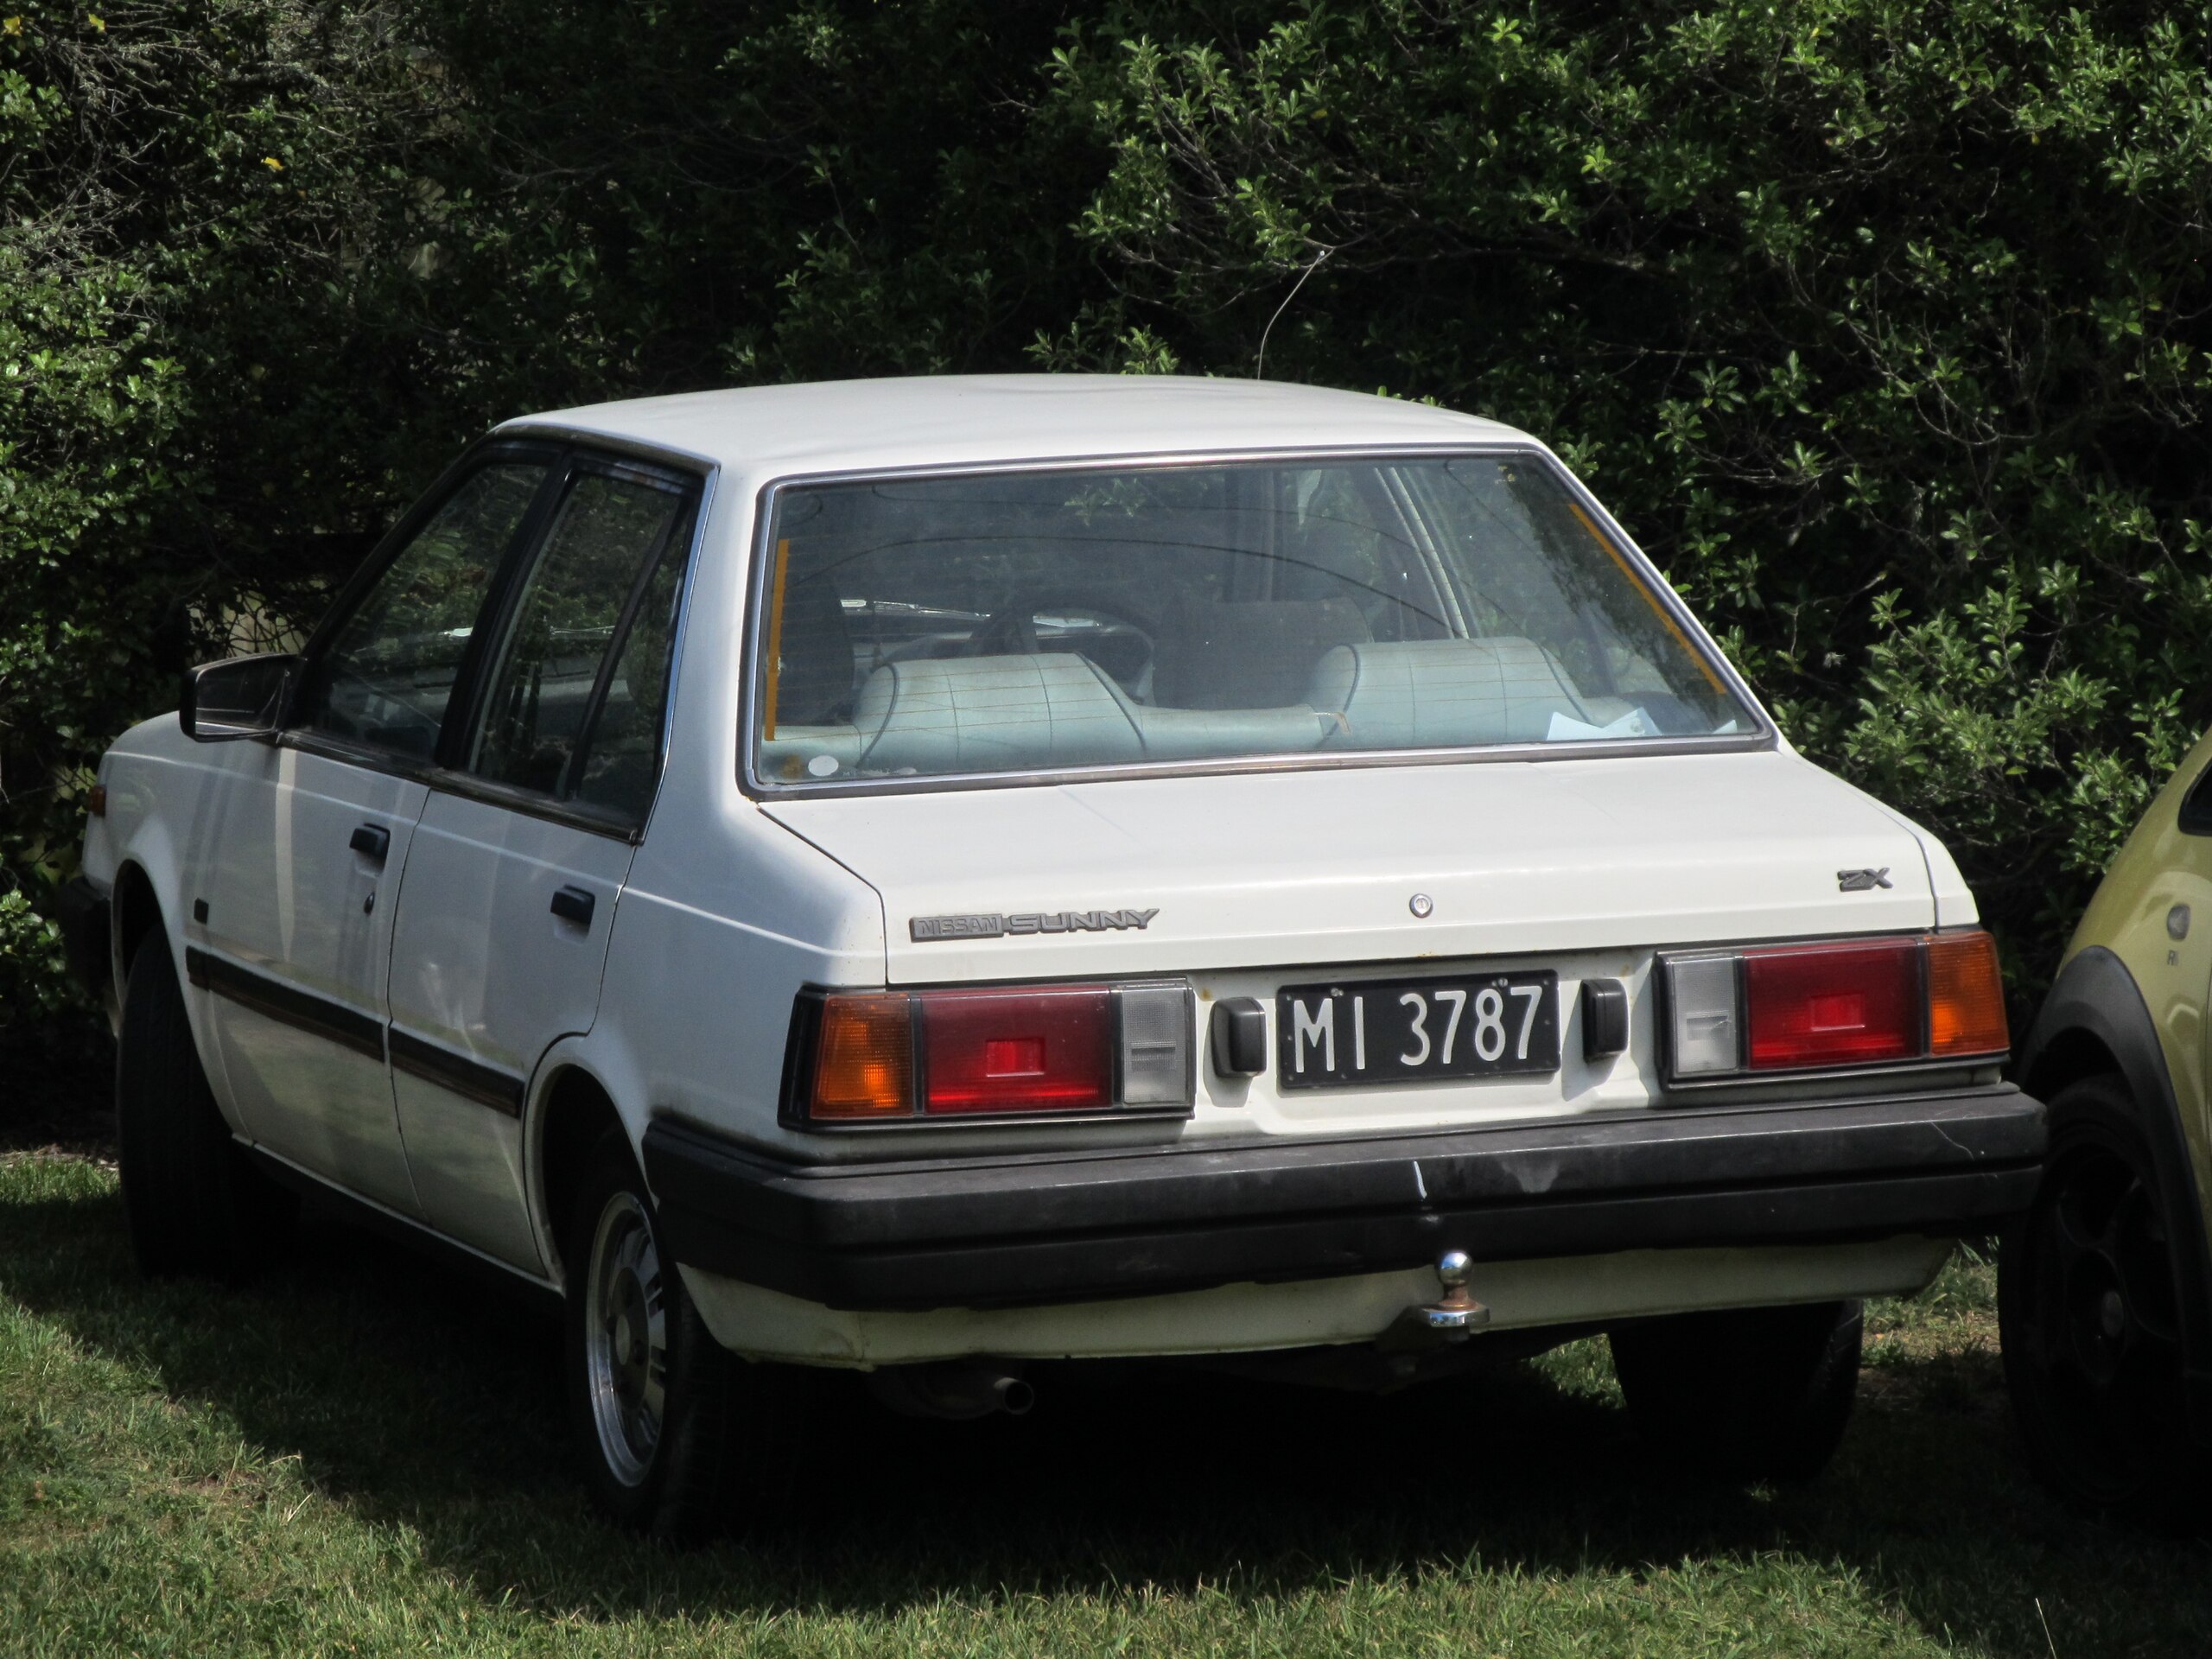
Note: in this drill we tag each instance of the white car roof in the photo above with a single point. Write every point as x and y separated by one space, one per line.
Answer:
938 419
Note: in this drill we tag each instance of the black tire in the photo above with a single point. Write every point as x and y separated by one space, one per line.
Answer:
1744 1394
678 1437
193 1202
2089 1311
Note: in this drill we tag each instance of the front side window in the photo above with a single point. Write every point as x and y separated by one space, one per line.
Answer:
387 676
1034 621
581 675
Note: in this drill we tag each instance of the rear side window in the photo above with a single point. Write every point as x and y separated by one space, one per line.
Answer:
579 681
387 676
1036 621
620 765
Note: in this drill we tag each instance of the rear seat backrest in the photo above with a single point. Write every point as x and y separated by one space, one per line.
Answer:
1440 693
987 713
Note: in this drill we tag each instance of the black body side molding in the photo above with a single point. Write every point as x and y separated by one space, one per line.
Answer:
348 1028
2096 996
471 1079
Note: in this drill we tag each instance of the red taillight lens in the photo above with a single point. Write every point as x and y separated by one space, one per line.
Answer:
1044 1051
1965 996
1833 1004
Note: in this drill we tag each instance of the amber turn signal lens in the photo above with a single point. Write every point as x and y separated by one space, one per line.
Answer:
96 800
1965 996
865 1064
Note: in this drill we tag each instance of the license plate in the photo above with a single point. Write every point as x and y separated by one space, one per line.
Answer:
1410 1030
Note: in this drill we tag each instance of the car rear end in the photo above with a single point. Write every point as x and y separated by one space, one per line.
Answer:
1298 873
1734 1116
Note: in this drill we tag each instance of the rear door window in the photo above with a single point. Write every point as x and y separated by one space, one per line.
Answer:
579 681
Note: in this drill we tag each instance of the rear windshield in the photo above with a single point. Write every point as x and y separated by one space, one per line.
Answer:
1031 621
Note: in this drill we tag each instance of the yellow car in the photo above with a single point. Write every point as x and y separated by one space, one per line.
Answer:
2105 1287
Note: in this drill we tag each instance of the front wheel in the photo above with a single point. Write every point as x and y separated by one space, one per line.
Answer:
676 1435
193 1202
2091 1317
1747 1394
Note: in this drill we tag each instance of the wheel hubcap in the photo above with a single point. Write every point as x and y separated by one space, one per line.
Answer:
626 1339
2107 1338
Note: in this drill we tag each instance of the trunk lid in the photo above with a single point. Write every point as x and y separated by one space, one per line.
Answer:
1321 866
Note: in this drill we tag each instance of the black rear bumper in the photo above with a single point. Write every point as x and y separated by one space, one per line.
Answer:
1069 1226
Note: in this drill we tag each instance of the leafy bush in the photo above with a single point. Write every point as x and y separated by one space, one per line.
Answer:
1883 326
31 985
191 414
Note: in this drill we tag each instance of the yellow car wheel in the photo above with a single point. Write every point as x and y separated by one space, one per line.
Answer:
2090 1320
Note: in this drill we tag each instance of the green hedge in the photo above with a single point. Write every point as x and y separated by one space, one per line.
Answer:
1884 327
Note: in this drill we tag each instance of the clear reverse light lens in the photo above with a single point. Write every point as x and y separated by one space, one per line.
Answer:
1155 1045
1701 994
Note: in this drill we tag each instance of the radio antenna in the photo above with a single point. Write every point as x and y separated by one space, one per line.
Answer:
1259 368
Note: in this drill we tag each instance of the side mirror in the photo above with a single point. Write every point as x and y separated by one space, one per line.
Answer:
245 696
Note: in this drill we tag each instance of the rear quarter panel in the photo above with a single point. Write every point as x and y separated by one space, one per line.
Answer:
709 947
726 914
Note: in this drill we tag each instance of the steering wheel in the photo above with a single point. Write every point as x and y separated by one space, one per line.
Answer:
1009 633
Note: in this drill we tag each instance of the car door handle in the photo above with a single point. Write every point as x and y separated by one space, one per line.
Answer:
574 905
372 842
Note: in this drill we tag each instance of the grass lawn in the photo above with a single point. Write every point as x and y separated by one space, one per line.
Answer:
360 1456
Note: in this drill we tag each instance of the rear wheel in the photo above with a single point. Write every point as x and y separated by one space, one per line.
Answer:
193 1202
2091 1317
675 1433
1747 1394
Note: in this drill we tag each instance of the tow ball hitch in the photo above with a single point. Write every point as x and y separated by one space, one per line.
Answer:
1452 1317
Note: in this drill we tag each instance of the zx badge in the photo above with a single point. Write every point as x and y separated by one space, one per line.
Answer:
1861 880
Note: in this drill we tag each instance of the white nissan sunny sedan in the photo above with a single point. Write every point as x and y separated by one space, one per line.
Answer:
926 876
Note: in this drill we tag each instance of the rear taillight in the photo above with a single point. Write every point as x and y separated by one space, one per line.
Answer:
1833 1005
1837 1004
1017 1051
1045 1051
